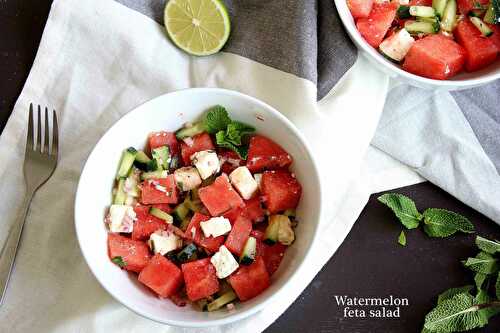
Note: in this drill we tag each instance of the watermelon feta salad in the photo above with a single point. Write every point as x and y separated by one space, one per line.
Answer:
204 215
432 38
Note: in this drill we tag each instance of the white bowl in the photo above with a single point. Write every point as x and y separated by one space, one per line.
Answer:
461 81
169 112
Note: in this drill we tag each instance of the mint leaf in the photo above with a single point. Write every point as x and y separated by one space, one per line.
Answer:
216 119
443 223
497 286
482 297
482 263
402 238
223 142
455 314
487 245
479 279
403 207
119 261
452 292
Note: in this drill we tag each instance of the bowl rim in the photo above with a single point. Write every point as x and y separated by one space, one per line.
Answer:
359 41
243 314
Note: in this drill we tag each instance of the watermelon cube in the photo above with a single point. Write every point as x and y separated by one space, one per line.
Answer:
194 233
265 154
495 38
220 196
436 57
374 27
272 256
427 3
161 276
164 207
159 191
253 210
238 235
146 224
233 214
230 160
132 253
480 51
466 6
250 281
195 144
280 190
160 139
200 278
360 8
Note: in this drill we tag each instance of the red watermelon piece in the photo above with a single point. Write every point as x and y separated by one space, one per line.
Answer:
273 256
360 8
159 191
233 214
375 26
135 254
427 3
164 207
161 276
231 160
197 143
146 224
200 278
220 196
194 233
250 281
480 51
495 38
466 6
265 154
280 190
238 235
160 139
436 57
253 210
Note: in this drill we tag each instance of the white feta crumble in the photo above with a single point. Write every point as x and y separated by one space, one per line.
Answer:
162 242
187 178
224 263
120 218
397 46
245 184
404 2
207 163
216 226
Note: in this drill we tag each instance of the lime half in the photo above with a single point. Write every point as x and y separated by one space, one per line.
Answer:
199 27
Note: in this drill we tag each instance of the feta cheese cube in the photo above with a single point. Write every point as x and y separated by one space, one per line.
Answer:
120 218
187 178
162 242
243 181
224 263
216 226
207 162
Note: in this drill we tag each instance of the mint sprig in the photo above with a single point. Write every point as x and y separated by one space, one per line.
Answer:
403 207
402 238
119 261
483 263
216 119
488 246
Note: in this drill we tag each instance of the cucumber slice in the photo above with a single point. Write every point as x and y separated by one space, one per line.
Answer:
422 11
489 17
485 30
421 27
271 234
290 213
221 301
496 10
154 174
439 6
142 157
433 20
161 215
187 132
162 157
189 253
180 212
128 158
120 195
174 162
450 16
143 162
404 12
248 255
202 304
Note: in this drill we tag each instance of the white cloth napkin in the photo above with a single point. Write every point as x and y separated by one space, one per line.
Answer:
97 61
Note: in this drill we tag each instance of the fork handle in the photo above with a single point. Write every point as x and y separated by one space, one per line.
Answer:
9 249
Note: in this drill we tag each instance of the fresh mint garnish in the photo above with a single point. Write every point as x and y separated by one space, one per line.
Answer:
479 279
402 238
119 261
403 207
497 286
487 245
443 223
483 263
217 119
452 292
223 141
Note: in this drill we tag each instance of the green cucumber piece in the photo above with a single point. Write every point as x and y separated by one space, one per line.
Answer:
187 132
161 215
422 11
271 234
421 27
143 162
221 301
128 158
188 253
450 16
162 157
478 23
404 12
439 6
120 195
142 157
202 304
154 174
180 213
290 213
174 162
496 10
249 250
489 17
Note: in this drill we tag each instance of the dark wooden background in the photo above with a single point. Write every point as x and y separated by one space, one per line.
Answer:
369 263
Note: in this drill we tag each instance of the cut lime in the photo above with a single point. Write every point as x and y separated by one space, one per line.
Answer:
199 27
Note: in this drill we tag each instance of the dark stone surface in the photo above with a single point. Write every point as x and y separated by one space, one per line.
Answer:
369 263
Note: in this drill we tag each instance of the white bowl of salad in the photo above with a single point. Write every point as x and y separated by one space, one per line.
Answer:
443 44
198 207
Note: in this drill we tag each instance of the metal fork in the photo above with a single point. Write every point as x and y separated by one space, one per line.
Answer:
39 164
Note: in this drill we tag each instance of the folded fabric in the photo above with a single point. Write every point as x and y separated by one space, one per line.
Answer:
99 59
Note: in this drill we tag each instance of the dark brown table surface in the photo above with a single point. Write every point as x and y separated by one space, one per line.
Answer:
369 263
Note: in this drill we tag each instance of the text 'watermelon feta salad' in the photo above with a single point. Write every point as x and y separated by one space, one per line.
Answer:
204 215
436 39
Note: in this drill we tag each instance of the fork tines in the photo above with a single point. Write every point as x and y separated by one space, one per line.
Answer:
37 145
